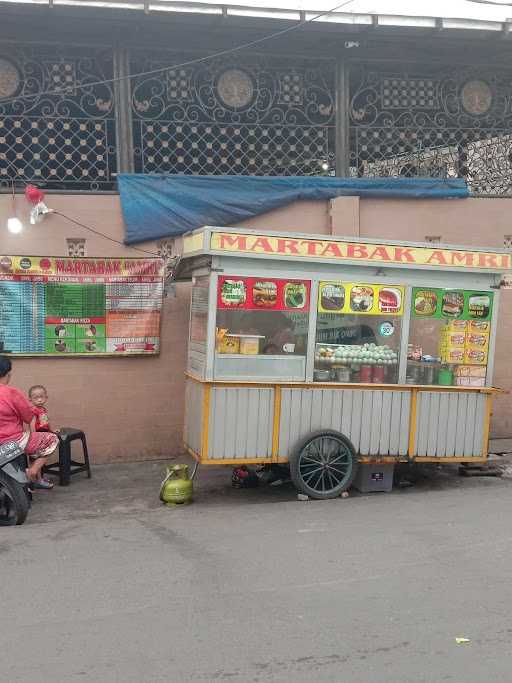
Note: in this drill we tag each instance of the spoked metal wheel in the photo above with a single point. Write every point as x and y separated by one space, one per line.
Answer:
13 502
323 465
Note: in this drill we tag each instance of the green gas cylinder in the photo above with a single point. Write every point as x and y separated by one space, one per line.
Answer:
176 488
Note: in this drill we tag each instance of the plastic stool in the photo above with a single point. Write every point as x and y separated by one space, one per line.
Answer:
66 467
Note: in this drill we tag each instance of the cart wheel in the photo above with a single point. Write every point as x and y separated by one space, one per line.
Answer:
323 465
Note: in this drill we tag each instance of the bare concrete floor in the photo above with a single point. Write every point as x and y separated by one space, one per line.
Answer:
105 584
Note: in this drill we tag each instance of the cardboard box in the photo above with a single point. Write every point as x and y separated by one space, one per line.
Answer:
249 346
452 355
228 344
461 381
455 339
479 326
457 326
477 340
470 371
475 357
476 381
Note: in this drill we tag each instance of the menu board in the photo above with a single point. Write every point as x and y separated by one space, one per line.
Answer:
70 306
252 293
428 302
353 298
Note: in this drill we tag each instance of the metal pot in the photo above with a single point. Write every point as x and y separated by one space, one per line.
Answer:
342 375
429 374
321 375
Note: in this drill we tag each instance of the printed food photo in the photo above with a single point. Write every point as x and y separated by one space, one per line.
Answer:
332 297
361 299
264 294
452 304
233 293
390 300
295 295
425 302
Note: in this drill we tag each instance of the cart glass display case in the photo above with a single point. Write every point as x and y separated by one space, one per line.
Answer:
358 333
261 328
449 337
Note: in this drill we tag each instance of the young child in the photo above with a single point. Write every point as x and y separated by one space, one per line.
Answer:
38 397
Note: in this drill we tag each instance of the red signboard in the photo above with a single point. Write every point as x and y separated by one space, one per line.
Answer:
263 294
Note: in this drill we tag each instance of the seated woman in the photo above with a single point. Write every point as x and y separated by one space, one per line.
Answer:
15 413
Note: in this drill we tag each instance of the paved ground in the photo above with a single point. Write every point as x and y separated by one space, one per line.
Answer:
103 584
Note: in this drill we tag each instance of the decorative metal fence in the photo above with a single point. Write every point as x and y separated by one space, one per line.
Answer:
56 126
431 121
246 115
249 116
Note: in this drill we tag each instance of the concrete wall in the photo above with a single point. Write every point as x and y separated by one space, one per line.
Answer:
132 408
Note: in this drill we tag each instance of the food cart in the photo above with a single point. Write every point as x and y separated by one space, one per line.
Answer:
339 356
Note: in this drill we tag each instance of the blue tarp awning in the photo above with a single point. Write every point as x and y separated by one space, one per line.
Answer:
157 206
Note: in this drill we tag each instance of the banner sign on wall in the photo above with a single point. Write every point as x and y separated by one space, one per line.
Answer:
69 306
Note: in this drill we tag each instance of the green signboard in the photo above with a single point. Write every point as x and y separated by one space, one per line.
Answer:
451 304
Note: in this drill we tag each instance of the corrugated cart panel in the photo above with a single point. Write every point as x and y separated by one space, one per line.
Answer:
404 408
453 410
470 432
355 423
441 442
385 434
479 447
365 418
434 418
450 425
421 433
373 420
343 404
240 425
461 424
377 426
193 415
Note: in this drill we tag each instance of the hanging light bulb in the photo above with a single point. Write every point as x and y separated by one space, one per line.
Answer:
325 166
14 225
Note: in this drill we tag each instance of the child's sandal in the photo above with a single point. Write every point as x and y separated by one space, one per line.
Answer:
43 484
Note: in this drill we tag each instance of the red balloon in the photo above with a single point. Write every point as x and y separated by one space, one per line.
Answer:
33 194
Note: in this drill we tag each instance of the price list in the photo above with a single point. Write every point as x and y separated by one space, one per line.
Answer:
75 301
22 315
64 306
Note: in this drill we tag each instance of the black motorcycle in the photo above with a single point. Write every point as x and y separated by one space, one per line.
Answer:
14 491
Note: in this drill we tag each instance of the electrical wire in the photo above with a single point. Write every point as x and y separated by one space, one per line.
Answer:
102 234
491 2
191 62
